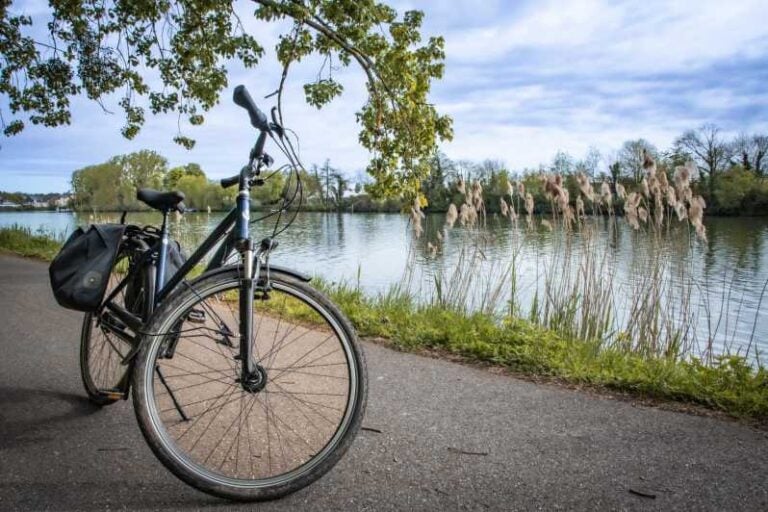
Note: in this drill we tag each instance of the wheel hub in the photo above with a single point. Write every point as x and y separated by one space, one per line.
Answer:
256 381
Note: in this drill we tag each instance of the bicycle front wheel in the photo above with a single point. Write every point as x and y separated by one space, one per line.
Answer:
252 442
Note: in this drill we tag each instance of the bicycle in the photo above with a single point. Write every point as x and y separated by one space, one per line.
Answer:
247 383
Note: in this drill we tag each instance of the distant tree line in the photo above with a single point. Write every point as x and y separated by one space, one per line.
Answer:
112 186
732 175
732 178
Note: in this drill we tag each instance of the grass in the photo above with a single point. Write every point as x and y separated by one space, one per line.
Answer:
726 383
25 242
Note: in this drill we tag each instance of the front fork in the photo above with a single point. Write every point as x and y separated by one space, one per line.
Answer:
248 366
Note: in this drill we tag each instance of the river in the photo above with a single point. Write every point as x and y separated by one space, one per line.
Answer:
714 289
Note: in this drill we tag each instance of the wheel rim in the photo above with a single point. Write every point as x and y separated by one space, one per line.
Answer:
104 349
249 439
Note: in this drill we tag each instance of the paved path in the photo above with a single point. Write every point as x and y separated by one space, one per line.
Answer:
547 448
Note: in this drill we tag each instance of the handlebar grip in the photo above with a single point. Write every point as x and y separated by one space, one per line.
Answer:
228 182
242 98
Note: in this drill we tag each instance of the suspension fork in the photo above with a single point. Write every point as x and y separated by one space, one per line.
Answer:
244 246
246 311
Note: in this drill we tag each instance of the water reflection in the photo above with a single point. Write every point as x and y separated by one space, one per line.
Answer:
722 280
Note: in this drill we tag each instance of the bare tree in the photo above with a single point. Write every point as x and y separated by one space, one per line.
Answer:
632 155
759 152
709 151
612 161
562 163
742 150
488 169
591 161
465 169
750 151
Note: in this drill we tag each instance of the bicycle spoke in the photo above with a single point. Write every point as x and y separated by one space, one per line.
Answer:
259 432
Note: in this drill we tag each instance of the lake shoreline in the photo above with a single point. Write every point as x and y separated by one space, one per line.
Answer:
729 385
618 213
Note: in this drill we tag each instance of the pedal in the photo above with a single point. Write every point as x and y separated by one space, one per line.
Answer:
196 316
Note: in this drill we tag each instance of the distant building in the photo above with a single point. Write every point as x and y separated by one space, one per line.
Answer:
33 202
63 201
7 204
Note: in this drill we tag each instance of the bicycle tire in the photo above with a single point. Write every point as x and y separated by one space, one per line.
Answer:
306 314
102 378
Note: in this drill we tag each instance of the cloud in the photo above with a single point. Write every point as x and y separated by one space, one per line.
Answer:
523 80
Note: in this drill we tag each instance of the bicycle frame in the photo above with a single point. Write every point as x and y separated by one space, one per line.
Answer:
155 294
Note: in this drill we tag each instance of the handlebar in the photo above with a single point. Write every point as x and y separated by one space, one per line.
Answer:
246 170
232 180
243 98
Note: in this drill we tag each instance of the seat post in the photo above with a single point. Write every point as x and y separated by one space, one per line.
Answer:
162 258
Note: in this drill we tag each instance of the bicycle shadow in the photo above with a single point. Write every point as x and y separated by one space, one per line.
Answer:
34 404
105 495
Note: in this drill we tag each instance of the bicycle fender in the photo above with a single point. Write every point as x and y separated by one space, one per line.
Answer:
272 268
289 271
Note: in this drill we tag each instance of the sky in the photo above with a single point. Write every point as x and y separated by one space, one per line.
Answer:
523 80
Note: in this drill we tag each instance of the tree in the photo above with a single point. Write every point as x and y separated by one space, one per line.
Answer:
193 169
101 187
143 168
759 152
562 164
98 48
195 190
751 151
325 181
632 155
591 162
173 177
338 185
436 187
615 171
708 150
176 173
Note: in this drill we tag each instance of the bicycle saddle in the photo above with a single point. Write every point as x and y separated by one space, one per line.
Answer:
163 201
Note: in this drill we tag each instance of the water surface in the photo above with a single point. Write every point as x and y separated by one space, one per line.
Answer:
720 283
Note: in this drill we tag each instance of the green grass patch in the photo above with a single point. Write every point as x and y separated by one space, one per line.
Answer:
22 241
730 384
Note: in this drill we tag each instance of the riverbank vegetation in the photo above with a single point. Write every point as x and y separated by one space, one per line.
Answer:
23 241
726 383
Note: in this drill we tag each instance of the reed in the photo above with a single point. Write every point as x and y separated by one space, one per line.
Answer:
658 313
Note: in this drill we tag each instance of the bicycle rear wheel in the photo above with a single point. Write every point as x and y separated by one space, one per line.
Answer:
270 439
101 349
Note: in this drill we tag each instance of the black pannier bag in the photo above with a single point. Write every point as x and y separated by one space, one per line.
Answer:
80 272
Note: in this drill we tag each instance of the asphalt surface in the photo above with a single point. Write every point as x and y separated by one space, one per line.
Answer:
451 438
